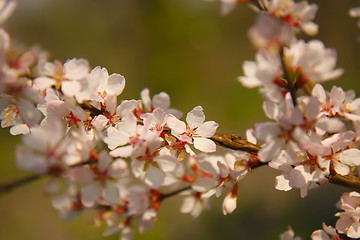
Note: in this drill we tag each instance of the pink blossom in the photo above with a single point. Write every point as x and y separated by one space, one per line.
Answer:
196 131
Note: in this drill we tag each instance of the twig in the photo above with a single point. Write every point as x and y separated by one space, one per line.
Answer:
7 187
167 195
290 86
236 143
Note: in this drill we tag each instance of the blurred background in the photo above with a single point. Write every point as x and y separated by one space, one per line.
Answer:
187 49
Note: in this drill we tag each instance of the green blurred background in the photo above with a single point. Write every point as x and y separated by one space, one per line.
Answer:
187 49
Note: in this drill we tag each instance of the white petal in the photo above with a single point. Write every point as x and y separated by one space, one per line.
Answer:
146 100
187 205
195 117
118 167
115 138
350 157
75 69
126 106
269 151
204 145
299 177
19 129
36 140
203 184
312 109
271 109
99 122
167 163
154 177
27 160
340 168
224 170
354 231
343 223
42 83
207 129
282 183
147 220
229 203
104 160
122 151
111 193
90 194
115 84
161 100
29 113
320 235
319 92
177 127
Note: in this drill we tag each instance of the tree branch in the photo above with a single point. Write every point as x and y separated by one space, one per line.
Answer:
225 140
167 195
236 143
7 187
290 86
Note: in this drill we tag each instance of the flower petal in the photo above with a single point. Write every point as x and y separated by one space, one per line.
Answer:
204 145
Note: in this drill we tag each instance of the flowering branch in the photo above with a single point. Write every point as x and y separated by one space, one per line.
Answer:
115 158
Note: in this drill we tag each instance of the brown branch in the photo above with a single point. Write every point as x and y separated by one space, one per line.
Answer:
290 86
236 143
167 195
94 111
7 187
225 140
346 181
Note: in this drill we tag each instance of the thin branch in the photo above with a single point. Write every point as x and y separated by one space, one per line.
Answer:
225 140
7 187
290 86
346 181
167 195
236 143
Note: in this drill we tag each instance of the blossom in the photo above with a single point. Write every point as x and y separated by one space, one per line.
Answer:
348 222
43 149
324 234
296 14
124 138
161 100
312 61
270 33
99 180
289 235
337 102
98 87
63 76
194 203
21 117
196 131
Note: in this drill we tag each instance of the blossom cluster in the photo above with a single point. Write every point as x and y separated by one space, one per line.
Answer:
124 157
121 159
313 133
